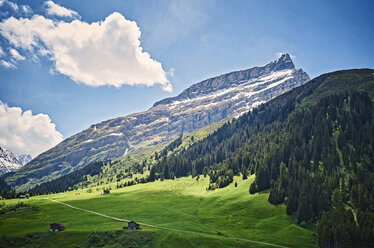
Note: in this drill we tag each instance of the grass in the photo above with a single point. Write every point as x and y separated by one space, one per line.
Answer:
146 153
182 204
338 82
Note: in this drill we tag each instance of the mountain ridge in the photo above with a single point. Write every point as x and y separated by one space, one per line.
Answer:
10 162
215 83
311 146
165 121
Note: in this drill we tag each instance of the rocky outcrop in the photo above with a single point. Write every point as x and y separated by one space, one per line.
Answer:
9 162
227 80
209 101
24 158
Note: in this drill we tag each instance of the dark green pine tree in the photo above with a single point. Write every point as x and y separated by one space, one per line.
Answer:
152 174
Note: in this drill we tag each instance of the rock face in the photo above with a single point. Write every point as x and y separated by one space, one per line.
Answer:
25 158
231 79
9 162
209 101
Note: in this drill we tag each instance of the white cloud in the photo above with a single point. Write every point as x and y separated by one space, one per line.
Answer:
25 133
1 52
55 9
26 9
96 54
171 72
14 6
16 55
7 64
279 54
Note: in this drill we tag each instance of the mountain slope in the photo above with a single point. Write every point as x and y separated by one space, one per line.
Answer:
24 158
9 162
209 101
228 140
312 146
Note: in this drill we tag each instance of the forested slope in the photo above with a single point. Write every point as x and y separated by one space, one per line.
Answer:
313 146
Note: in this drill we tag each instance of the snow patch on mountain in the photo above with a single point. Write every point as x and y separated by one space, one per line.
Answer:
9 162
25 158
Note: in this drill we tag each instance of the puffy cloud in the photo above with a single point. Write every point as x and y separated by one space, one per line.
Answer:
55 9
7 64
16 55
1 52
25 133
96 54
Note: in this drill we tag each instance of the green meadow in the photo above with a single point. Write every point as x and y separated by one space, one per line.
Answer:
196 217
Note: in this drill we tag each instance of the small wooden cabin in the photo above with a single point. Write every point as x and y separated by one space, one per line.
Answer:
132 225
55 227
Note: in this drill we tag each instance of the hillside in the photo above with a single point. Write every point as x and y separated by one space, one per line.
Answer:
204 103
311 150
182 214
313 146
128 170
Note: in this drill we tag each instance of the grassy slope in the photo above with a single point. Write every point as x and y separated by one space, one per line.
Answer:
147 153
50 172
181 204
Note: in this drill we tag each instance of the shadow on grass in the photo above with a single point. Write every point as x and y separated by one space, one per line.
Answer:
121 238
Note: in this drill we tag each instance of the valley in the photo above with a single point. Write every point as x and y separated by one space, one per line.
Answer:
182 204
212 100
290 173
178 124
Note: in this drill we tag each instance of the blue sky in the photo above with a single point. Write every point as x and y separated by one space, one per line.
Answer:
188 41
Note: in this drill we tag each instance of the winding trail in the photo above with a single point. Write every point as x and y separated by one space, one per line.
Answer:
167 228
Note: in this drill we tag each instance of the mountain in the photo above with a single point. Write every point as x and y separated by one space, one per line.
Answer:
311 150
226 96
9 162
313 147
331 99
25 158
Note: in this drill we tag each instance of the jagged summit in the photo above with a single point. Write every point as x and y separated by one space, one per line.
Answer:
9 162
284 62
25 158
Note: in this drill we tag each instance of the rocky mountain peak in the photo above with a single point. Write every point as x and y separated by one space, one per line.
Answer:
8 161
284 62
209 101
24 158
8 155
227 80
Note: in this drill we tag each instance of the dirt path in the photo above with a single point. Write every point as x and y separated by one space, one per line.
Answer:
167 228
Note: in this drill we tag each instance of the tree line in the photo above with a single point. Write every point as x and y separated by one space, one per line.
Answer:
306 156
